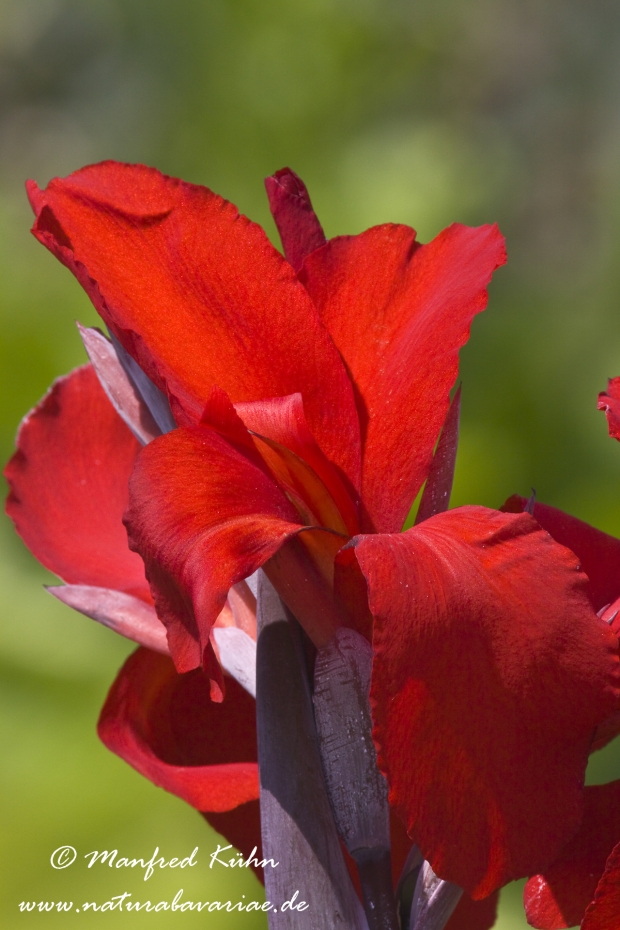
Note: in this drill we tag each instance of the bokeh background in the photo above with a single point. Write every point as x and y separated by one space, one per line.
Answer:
407 110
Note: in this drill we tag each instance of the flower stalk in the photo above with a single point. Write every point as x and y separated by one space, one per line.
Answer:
297 826
356 788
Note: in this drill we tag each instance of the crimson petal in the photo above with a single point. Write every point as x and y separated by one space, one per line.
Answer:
282 419
491 672
560 896
167 728
598 553
398 313
602 913
198 296
474 915
203 516
69 481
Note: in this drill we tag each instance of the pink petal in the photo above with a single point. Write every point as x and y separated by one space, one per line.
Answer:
122 394
126 615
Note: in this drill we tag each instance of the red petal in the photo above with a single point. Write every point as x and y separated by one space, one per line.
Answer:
212 668
491 672
399 312
474 915
559 897
302 573
609 401
298 225
198 295
282 420
69 481
204 517
208 510
603 913
351 589
598 553
166 727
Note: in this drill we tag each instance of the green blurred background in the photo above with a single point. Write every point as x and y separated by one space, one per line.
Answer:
418 112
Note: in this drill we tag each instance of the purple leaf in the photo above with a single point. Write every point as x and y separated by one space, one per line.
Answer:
120 389
126 615
436 494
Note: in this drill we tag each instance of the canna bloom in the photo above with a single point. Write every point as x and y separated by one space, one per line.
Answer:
70 489
308 394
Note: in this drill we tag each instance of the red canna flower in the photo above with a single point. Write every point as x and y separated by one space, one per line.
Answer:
69 490
309 397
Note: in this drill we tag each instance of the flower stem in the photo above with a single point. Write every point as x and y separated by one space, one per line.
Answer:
375 871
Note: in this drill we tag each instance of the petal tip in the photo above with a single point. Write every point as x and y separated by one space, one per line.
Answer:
35 196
